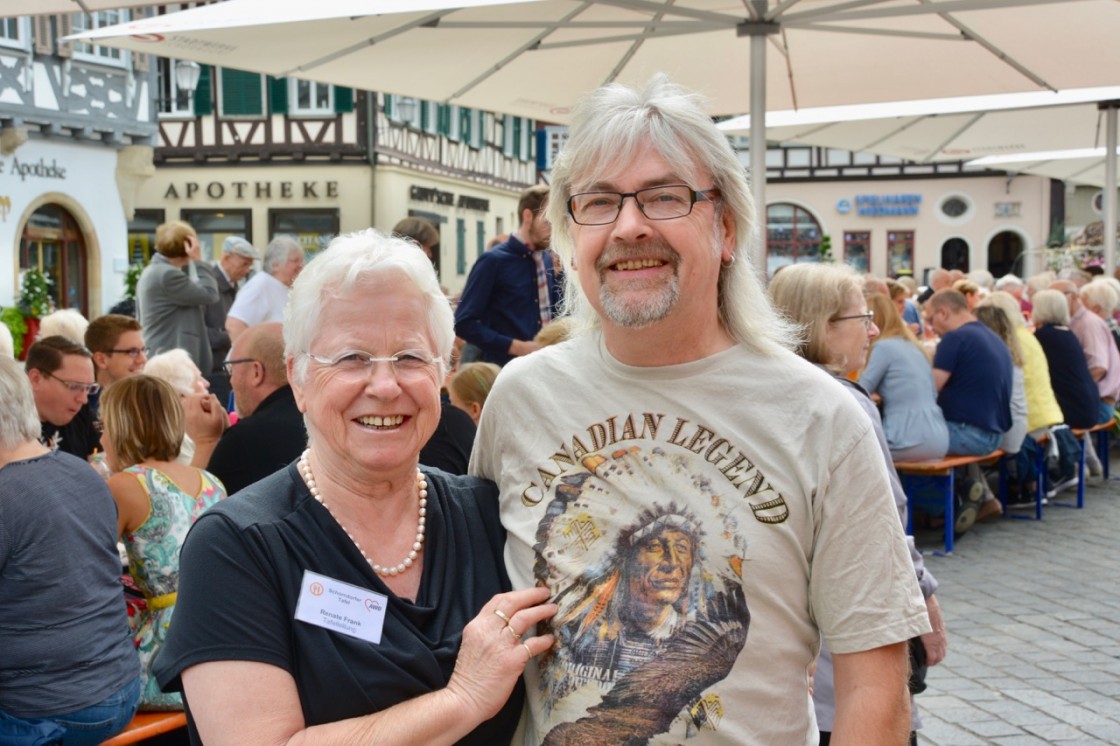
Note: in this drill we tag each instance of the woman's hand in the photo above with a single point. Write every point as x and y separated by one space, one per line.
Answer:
936 642
496 646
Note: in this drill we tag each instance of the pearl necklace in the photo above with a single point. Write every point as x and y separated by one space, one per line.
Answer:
421 528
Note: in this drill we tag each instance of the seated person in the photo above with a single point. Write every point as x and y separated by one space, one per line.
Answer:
62 379
117 344
423 642
269 433
158 499
67 660
65 322
206 418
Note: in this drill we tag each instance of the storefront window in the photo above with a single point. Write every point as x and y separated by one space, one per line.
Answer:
53 244
142 235
857 250
900 253
793 235
314 228
214 226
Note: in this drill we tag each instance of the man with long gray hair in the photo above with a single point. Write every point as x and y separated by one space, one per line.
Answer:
762 495
264 296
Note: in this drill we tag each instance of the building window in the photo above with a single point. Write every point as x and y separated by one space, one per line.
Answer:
241 93
460 246
309 97
15 33
142 235
53 243
793 236
215 226
95 52
172 101
954 207
314 228
900 253
857 250
954 254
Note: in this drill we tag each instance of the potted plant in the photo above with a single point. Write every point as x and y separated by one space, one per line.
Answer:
12 318
34 302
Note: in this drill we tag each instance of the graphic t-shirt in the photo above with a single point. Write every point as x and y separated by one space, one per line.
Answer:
700 526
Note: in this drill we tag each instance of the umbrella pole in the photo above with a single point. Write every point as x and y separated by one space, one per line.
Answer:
1110 187
758 151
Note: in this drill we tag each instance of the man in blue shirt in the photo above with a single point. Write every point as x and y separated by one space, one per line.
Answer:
511 291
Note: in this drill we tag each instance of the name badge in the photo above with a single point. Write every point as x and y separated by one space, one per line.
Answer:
341 607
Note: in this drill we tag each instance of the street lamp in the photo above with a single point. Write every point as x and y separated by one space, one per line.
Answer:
406 108
187 73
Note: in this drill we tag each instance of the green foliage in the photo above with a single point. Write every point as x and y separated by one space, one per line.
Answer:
131 278
35 295
12 318
826 248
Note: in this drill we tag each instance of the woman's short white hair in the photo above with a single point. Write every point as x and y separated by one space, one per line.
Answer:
19 419
278 251
1050 307
65 322
176 367
1006 302
1100 293
609 130
7 344
337 271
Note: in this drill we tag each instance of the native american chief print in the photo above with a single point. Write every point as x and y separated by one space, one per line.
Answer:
652 609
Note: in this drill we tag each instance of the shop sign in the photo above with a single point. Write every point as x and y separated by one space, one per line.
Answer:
874 205
258 190
38 169
435 196
1008 209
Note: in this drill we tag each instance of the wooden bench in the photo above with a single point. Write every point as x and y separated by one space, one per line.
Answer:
1101 433
145 725
941 473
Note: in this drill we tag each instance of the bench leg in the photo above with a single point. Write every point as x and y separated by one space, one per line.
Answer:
950 512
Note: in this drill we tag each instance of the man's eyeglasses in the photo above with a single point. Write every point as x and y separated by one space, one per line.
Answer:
868 318
356 365
227 366
656 203
89 389
132 352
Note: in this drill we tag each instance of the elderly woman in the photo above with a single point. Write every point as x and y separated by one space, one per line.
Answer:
899 372
828 302
66 658
353 597
206 417
266 293
158 499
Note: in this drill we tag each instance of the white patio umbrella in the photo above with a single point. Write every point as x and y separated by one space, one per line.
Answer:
11 8
1062 135
535 58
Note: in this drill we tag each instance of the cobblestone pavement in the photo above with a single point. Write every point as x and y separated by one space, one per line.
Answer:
1033 611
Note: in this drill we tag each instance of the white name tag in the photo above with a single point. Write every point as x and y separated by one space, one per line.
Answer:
341 607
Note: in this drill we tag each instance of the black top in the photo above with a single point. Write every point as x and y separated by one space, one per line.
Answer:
78 437
450 446
241 570
1073 384
273 437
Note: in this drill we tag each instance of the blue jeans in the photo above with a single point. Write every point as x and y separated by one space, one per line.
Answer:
86 727
969 440
1106 412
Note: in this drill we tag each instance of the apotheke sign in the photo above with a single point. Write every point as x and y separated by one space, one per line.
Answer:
253 190
39 169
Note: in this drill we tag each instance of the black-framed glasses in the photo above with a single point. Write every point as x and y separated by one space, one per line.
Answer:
132 352
868 318
75 387
656 203
227 366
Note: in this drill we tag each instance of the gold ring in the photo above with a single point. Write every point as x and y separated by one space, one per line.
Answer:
516 637
502 615
527 652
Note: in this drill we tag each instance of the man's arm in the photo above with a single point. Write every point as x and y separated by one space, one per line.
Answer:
872 698
475 301
183 289
940 378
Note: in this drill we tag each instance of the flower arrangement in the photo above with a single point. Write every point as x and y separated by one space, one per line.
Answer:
35 294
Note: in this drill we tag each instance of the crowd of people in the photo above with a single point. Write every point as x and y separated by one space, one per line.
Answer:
617 491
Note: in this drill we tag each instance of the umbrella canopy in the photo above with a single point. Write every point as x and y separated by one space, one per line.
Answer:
535 58
10 8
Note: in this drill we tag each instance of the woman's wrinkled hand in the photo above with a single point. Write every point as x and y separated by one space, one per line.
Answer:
206 418
496 646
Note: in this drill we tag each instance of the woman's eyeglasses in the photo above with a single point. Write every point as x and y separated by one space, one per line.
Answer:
868 318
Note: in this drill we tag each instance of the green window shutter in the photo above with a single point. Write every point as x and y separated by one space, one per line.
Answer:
389 105
517 123
277 95
480 237
241 93
425 116
343 100
203 98
443 120
465 125
461 246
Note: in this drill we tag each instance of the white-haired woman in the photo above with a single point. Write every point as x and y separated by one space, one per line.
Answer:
827 301
70 673
206 418
374 604
266 293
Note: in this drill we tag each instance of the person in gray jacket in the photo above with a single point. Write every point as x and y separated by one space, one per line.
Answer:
173 294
